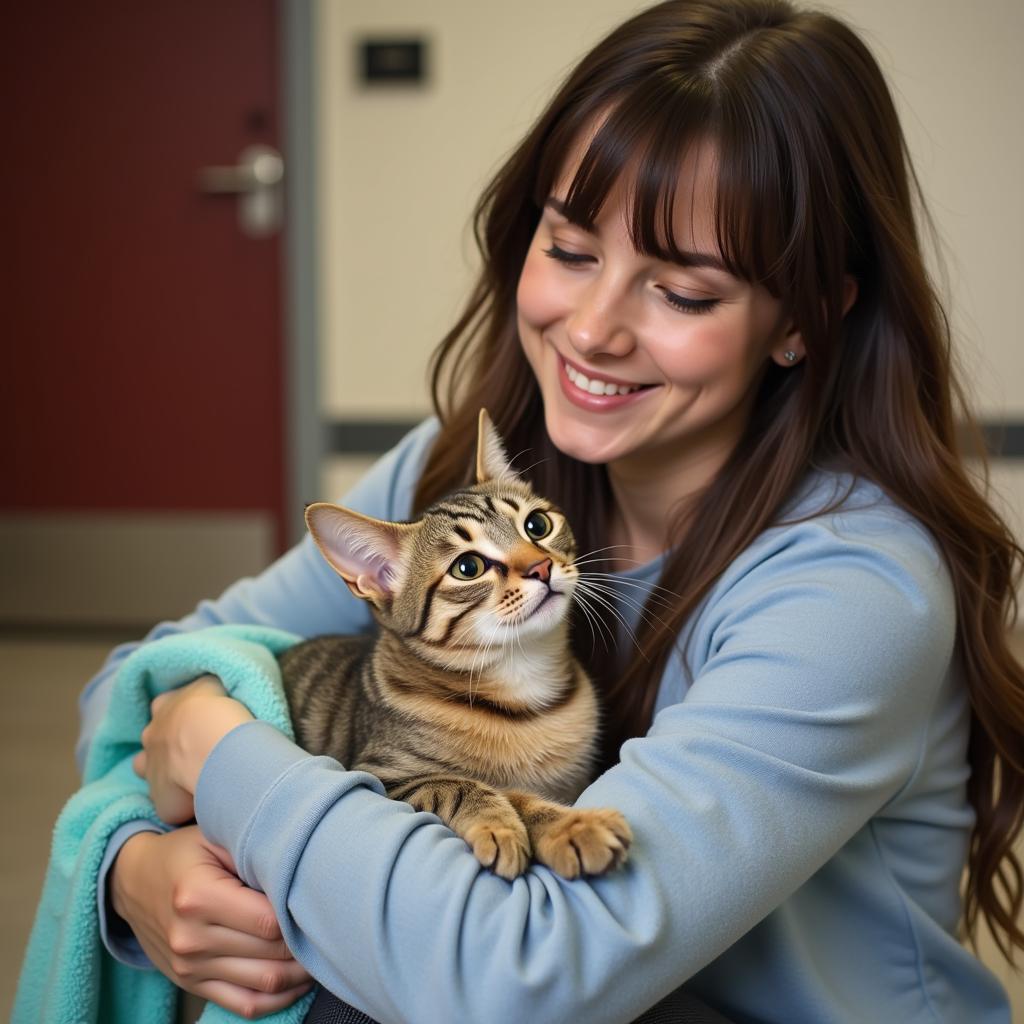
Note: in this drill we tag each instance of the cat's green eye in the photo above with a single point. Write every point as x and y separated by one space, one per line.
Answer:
468 567
538 525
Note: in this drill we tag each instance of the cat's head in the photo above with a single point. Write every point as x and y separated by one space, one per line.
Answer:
482 569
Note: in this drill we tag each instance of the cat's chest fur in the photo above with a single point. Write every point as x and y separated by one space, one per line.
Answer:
372 707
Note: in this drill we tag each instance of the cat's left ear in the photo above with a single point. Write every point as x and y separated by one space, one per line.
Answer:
366 553
491 461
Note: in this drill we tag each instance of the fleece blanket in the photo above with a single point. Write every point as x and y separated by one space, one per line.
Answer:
67 976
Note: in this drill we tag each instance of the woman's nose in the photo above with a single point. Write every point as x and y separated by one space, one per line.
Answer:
600 323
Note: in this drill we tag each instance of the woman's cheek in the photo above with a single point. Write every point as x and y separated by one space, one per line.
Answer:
696 353
538 295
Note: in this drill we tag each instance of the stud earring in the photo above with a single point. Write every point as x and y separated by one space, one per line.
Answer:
790 357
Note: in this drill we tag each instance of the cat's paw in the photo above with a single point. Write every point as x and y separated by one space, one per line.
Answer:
501 846
584 841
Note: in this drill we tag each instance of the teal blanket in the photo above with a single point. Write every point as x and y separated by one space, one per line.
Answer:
68 977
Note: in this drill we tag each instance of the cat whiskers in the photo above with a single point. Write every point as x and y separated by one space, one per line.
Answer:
586 593
572 573
519 642
650 588
653 590
608 585
462 639
587 557
481 656
598 587
591 620
512 461
523 472
472 668
644 602
607 547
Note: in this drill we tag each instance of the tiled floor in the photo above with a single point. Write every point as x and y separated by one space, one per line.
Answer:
39 682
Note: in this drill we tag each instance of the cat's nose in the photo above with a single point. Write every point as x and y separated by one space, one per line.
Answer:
540 570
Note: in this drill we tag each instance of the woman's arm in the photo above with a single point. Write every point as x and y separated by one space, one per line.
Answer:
299 593
820 668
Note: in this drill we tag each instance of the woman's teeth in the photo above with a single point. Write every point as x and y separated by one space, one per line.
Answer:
596 386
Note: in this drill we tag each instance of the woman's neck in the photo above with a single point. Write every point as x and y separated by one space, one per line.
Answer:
649 496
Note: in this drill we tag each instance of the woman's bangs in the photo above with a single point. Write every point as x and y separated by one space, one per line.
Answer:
644 140
746 208
757 232
610 151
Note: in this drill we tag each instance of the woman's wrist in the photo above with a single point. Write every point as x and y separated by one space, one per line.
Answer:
215 718
122 871
186 724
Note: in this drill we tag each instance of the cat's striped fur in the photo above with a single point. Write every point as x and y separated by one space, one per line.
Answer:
467 702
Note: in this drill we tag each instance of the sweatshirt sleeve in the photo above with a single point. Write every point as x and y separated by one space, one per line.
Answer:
821 655
299 592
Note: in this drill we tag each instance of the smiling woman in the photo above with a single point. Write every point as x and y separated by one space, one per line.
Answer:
704 319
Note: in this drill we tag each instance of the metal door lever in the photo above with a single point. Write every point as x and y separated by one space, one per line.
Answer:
256 180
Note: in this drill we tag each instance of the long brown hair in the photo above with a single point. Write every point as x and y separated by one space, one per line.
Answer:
814 183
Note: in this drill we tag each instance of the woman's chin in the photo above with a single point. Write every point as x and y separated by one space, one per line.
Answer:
580 441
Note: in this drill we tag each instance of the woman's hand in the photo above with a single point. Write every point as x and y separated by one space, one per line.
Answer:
201 926
186 725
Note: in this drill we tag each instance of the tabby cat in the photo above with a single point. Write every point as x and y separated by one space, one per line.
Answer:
467 702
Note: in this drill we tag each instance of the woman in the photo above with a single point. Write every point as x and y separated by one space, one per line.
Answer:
704 312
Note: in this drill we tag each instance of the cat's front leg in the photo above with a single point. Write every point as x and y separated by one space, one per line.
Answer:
573 841
481 815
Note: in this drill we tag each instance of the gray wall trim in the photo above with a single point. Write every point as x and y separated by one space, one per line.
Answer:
366 437
305 443
1004 439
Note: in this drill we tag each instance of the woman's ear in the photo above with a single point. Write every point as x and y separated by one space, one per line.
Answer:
790 350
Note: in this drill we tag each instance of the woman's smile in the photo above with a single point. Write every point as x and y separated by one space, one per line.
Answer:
600 393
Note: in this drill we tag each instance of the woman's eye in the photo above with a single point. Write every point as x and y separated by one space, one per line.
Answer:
468 567
573 259
537 525
685 305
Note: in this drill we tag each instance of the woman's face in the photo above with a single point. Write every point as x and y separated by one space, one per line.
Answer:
687 344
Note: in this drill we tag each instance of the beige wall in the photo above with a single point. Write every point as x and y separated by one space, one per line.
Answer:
400 169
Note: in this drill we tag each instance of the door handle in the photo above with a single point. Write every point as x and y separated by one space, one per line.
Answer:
256 180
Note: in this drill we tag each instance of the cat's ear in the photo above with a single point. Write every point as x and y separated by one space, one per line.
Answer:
491 461
366 553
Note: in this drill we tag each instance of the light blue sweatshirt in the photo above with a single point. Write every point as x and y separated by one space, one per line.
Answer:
798 806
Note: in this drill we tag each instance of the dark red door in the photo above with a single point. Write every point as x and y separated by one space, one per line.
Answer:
142 327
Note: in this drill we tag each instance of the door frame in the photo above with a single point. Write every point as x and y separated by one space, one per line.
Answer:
305 442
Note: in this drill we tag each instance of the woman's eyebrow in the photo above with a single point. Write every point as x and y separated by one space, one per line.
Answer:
682 258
